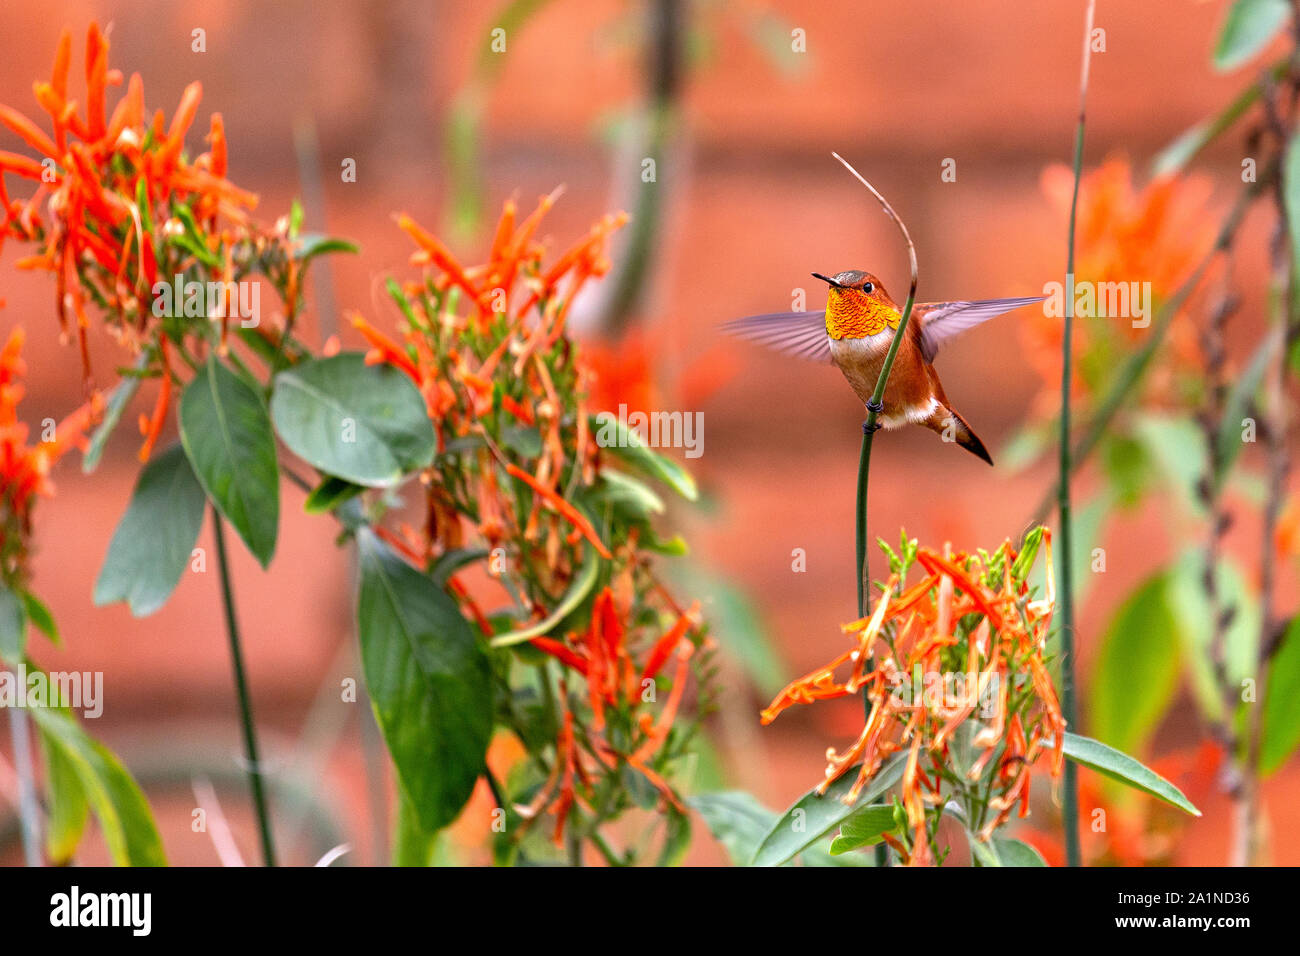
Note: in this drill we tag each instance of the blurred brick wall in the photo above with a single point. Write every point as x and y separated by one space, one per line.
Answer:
756 204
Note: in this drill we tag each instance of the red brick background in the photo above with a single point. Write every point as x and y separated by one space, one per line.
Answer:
754 204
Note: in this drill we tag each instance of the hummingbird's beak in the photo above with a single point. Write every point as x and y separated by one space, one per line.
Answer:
827 279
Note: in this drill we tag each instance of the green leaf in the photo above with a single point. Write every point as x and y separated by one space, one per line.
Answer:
1109 762
13 627
311 245
155 539
367 424
613 435
1196 631
116 799
40 617
1249 27
982 854
329 494
120 397
812 816
866 827
65 800
227 436
736 819
1014 852
628 496
1136 674
523 440
1291 193
412 845
429 681
1281 721
577 593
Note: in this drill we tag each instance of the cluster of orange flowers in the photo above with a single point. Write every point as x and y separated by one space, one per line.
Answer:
923 632
616 684
488 348
118 205
24 468
1156 234
501 357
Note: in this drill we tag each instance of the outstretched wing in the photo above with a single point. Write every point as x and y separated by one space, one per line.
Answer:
943 320
802 334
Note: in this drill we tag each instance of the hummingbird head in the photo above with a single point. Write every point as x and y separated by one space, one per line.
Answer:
857 305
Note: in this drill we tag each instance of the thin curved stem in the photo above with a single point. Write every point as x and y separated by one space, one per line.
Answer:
1069 707
245 699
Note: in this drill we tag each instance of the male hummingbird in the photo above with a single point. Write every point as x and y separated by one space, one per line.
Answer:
854 333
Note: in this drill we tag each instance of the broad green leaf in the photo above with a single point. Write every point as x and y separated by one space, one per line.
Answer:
737 820
228 439
39 616
155 539
812 816
66 804
1281 730
1014 852
866 827
1248 28
113 796
982 854
429 682
577 593
523 440
367 424
13 627
1136 673
1109 762
120 397
1196 618
329 494
412 844
613 435
677 838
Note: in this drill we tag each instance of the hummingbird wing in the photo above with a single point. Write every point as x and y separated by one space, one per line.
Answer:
941 321
802 334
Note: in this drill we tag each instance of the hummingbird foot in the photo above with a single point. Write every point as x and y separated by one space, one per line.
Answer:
873 426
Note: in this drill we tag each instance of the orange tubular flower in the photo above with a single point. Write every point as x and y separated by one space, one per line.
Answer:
106 183
24 469
970 619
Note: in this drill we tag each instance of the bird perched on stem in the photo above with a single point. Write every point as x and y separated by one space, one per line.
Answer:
854 333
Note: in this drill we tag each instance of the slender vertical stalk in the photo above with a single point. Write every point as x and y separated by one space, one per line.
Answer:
1069 706
245 700
29 813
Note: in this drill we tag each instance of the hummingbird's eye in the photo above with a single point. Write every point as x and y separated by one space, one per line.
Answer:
868 288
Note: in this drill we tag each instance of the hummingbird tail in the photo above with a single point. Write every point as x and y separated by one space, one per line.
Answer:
948 423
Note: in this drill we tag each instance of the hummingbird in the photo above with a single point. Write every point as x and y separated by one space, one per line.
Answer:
854 333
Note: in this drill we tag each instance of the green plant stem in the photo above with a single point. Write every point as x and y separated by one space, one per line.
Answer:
245 700
1069 707
29 813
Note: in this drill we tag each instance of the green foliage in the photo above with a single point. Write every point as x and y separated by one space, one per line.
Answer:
1249 27
111 793
120 397
429 682
155 538
812 816
1281 725
13 627
1136 673
616 438
227 436
1109 762
866 827
366 424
